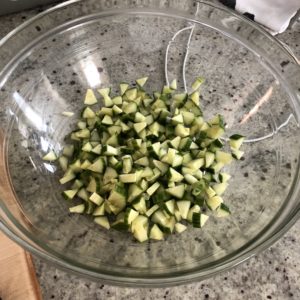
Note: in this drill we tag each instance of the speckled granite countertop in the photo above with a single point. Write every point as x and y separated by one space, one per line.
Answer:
274 274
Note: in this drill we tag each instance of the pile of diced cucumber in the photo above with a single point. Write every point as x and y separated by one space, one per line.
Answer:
147 164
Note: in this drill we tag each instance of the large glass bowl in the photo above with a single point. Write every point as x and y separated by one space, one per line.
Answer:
47 64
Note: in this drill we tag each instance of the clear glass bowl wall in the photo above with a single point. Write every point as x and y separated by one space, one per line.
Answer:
47 64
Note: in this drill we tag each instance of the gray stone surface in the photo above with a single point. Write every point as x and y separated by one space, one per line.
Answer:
274 274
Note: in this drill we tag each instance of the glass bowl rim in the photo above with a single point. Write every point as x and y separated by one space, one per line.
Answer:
149 281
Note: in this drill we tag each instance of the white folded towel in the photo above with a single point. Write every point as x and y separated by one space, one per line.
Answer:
274 14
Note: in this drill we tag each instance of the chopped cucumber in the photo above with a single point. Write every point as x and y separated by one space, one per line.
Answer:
197 83
81 125
166 90
169 226
177 119
199 219
235 141
223 211
210 192
190 178
83 133
106 111
104 92
102 221
97 166
180 99
171 184
77 184
173 84
175 142
68 150
113 141
175 176
209 159
182 131
177 214
90 98
51 156
156 174
185 144
92 186
177 191
145 160
169 207
88 113
188 117
108 101
90 207
107 120
120 224
116 201
139 228
97 199
215 168
163 168
67 177
223 157
139 118
170 156
70 194
179 228
144 184
224 177
140 205
123 87
63 162
195 164
214 202
215 132
156 233
87 147
131 94
195 97
85 165
198 174
183 207
141 81
159 218
75 166
78 209
152 189
100 210
127 164
133 192
128 178
83 194
147 172
152 210
110 151
138 127
117 101
220 188
237 154
130 215
195 209
186 158
67 113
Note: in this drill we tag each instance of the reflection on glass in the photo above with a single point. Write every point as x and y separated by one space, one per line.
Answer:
91 73
30 114
49 167
44 144
266 97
